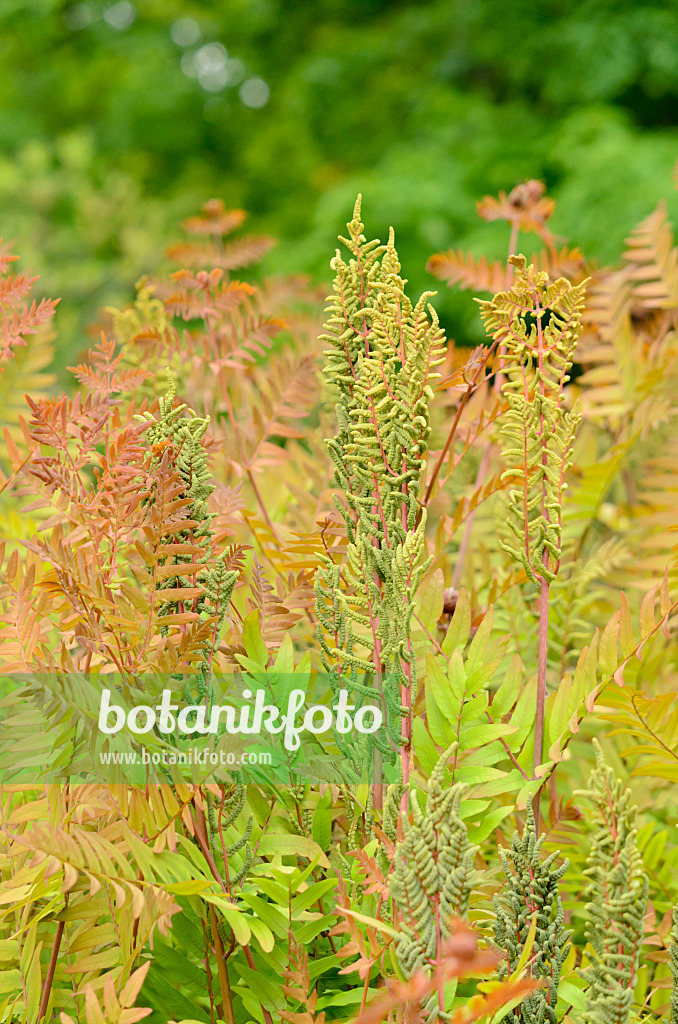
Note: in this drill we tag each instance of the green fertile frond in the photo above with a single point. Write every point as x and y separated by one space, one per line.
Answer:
380 362
532 889
673 961
381 355
538 325
617 899
433 873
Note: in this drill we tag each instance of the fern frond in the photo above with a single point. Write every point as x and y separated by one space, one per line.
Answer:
539 433
653 262
618 889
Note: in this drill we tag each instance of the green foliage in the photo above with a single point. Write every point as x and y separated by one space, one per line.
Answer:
531 894
617 894
186 546
104 130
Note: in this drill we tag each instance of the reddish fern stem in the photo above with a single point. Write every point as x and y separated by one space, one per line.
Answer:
49 980
544 585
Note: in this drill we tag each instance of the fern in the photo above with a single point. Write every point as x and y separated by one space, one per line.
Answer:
617 894
539 432
380 363
433 873
532 893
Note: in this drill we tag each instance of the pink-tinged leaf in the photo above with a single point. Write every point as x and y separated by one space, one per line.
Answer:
555 753
664 596
619 675
111 1004
625 628
132 1016
607 657
94 1014
573 724
591 698
70 877
647 623
133 986
664 626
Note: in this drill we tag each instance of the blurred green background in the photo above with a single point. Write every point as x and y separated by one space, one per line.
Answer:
120 118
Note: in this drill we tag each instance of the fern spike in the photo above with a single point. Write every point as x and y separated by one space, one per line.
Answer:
617 893
381 354
532 889
538 324
433 874
673 963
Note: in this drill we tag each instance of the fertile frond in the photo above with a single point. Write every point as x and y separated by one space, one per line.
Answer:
532 890
617 892
539 324
433 873
382 351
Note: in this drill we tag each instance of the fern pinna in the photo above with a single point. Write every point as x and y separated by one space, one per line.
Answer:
381 358
538 324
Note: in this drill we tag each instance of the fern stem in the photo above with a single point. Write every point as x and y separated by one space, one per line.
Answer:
439 962
366 989
208 973
466 539
251 964
544 589
46 992
226 1009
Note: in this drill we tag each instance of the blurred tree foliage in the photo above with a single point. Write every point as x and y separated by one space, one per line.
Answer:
119 117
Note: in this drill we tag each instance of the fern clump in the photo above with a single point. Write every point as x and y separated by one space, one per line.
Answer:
617 896
532 889
433 873
381 353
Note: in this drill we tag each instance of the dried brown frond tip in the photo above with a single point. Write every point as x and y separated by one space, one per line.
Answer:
526 206
215 219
